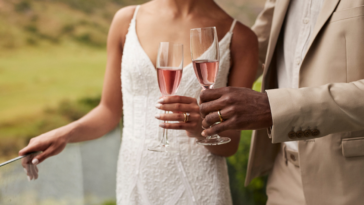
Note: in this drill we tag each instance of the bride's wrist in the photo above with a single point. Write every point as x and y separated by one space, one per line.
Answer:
69 132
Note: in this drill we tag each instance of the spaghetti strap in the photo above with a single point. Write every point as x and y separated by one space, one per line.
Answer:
135 166
232 26
135 12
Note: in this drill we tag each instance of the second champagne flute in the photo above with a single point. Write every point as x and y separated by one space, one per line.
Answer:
169 74
205 55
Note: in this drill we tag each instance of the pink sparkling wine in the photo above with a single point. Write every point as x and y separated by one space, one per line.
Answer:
169 80
206 72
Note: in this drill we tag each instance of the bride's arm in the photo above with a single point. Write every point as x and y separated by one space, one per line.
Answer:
106 115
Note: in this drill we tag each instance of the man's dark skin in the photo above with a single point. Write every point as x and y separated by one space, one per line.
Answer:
240 108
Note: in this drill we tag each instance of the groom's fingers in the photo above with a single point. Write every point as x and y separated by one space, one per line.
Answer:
217 128
214 117
210 107
212 94
210 119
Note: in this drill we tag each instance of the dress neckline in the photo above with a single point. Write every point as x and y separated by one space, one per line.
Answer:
151 65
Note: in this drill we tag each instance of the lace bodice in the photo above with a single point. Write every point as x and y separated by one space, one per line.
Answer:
193 175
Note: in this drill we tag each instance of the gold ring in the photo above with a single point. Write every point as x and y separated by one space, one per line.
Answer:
219 113
187 117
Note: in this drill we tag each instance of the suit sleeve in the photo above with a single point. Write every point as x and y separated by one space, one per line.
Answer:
306 113
262 29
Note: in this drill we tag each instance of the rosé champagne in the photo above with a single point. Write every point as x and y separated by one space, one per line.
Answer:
205 55
169 80
206 72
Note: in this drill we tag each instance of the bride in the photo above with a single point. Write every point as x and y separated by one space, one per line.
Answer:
196 174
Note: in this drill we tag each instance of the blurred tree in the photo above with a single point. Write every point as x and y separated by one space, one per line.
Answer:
23 6
90 5
254 194
109 202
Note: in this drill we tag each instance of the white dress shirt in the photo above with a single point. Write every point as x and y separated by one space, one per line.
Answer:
297 29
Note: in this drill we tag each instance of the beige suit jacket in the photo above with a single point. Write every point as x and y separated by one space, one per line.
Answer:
326 114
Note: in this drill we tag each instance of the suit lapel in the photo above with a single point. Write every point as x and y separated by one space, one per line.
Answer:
280 11
278 18
328 8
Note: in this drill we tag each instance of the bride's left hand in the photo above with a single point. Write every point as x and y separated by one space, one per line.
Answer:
180 105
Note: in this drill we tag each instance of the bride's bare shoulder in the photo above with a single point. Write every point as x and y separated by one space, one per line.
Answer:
243 33
121 21
243 37
124 14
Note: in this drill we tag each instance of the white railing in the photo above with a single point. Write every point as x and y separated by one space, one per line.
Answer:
83 174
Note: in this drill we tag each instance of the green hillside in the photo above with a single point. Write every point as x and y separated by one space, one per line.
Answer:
51 50
30 23
34 23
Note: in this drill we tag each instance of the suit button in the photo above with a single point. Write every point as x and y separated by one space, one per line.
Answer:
291 134
307 133
315 132
299 134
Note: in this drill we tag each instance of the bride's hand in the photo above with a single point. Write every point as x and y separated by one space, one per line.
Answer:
180 105
50 144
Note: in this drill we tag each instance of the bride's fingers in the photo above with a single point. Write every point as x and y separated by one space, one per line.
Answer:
35 174
177 99
30 172
178 117
179 107
178 126
25 161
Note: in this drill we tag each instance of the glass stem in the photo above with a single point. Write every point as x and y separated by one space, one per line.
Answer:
213 136
165 134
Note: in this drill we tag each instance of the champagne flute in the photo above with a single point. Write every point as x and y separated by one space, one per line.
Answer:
169 74
205 55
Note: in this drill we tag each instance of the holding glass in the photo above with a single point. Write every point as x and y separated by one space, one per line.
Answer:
169 74
204 45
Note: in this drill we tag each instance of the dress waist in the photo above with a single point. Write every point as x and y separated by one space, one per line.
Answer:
153 136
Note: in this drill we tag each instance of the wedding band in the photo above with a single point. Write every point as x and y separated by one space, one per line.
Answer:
187 117
219 113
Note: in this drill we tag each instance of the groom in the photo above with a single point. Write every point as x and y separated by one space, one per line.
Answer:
309 117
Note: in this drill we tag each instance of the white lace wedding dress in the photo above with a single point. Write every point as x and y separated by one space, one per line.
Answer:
194 175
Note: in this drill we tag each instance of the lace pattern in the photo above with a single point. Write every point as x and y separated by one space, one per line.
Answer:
194 175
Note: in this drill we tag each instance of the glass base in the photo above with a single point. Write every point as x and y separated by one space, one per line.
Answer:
214 141
162 148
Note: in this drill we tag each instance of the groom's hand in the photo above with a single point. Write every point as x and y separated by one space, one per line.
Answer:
240 108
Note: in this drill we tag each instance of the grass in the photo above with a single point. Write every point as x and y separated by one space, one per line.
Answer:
50 51
31 79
